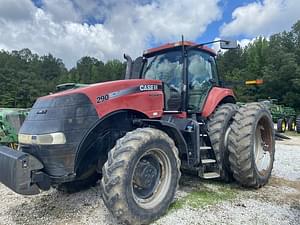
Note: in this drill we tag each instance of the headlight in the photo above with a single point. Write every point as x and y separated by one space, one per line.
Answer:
43 139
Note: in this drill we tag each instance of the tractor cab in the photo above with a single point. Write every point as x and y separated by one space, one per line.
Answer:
188 72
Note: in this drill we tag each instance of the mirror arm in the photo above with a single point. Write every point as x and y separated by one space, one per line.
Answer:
206 43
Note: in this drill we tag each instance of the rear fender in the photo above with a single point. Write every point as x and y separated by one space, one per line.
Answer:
216 97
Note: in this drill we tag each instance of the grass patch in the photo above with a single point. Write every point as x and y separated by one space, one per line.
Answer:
204 197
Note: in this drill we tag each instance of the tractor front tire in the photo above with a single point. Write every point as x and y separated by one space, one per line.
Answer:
292 124
218 130
141 176
252 145
298 124
281 125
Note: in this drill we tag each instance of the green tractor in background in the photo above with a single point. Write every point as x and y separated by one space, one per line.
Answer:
283 116
11 120
68 86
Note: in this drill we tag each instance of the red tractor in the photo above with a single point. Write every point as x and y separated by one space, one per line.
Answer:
170 114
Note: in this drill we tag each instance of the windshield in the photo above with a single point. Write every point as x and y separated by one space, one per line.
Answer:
166 67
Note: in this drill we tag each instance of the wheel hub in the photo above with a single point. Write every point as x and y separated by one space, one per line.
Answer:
146 177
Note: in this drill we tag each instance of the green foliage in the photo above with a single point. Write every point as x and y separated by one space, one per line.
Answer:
24 76
276 61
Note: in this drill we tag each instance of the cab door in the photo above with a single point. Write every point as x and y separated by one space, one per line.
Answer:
202 74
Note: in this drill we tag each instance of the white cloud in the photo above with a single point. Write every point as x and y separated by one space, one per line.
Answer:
16 10
262 18
59 13
244 42
126 26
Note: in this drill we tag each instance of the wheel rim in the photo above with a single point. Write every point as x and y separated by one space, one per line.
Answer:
151 178
263 146
226 137
283 126
293 126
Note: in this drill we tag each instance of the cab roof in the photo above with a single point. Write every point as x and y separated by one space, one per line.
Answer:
165 47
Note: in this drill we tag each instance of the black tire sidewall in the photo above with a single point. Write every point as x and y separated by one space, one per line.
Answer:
298 124
290 123
279 125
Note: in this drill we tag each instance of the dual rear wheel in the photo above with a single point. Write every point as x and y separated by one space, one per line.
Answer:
286 125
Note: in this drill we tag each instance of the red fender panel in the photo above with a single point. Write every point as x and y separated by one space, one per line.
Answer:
215 96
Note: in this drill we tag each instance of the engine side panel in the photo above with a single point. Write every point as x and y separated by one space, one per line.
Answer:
145 96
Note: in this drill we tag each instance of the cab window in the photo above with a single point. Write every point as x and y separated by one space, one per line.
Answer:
167 67
201 70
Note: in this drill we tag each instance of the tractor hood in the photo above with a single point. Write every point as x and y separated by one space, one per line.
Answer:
54 128
140 95
57 123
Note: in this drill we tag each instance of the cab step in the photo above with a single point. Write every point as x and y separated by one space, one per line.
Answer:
211 175
203 135
208 161
205 148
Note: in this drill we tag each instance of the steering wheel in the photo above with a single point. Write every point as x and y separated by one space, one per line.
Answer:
174 88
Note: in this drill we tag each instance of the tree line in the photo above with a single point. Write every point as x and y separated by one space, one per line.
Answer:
24 76
276 60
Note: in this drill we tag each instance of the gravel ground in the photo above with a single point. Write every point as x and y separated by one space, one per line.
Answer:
276 203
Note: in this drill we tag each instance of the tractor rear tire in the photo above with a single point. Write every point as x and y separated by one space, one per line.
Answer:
281 125
292 124
141 176
252 145
298 124
218 130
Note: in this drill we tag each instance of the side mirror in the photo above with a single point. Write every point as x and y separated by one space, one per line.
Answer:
228 44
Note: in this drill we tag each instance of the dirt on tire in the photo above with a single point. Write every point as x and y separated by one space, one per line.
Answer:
118 174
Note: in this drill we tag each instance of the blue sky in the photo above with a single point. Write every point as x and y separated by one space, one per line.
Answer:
105 29
213 29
